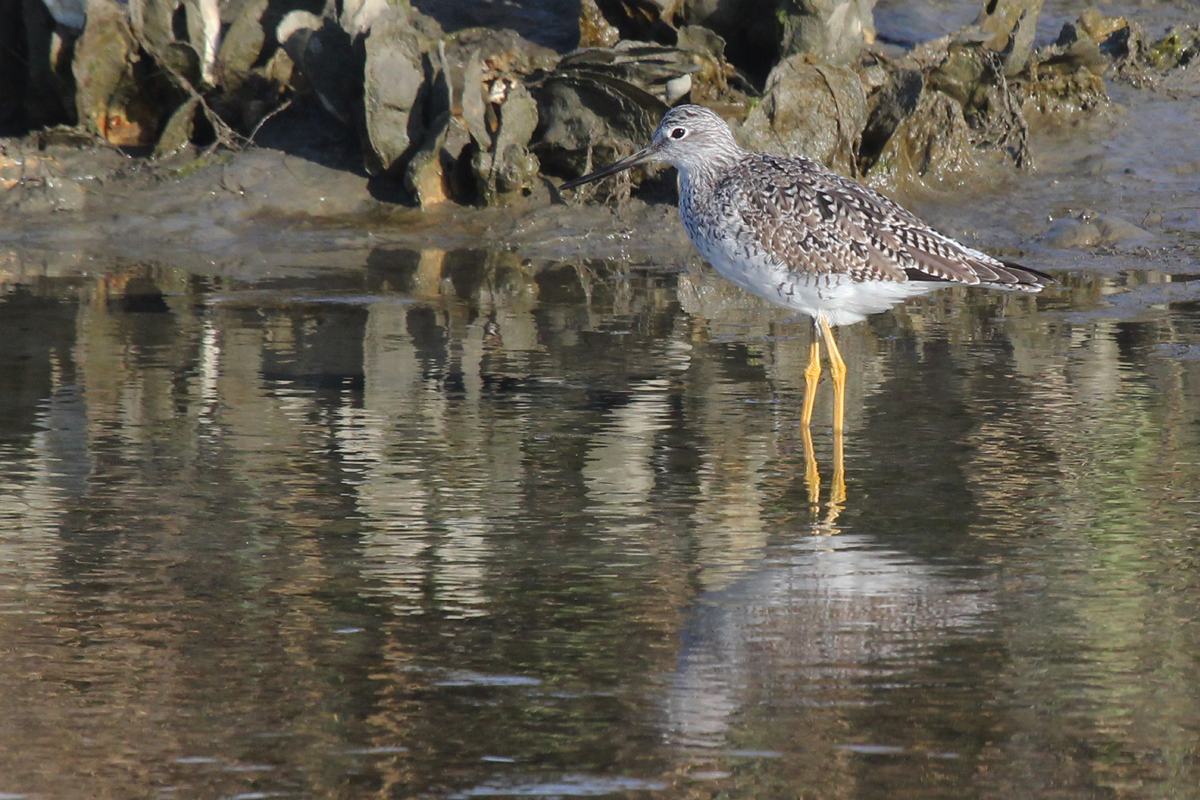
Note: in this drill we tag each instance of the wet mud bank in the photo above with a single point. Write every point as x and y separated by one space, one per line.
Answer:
263 209
1102 196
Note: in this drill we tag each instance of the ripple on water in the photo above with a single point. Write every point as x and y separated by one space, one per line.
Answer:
567 786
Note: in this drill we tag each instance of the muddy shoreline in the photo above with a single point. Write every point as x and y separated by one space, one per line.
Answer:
266 206
1100 196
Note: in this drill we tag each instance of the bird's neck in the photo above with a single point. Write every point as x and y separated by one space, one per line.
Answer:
700 176
697 181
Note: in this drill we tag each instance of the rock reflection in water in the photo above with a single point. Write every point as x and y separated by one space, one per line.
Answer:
456 523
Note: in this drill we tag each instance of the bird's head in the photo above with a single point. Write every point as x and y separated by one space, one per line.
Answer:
688 137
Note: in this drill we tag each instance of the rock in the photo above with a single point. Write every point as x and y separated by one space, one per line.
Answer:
238 85
587 121
477 115
152 22
1081 52
962 70
1011 25
1088 229
108 100
501 115
697 37
665 72
1096 37
178 131
810 110
431 176
1099 27
1176 49
429 107
358 16
204 34
761 33
594 29
34 181
222 51
551 25
1065 78
973 75
502 51
716 82
393 76
933 142
896 99
296 21
242 43
486 70
643 20
327 62
1059 89
502 164
835 31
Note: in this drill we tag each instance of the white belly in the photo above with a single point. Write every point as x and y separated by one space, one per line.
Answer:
839 299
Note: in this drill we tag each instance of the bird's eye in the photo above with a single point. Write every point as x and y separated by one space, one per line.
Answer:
678 133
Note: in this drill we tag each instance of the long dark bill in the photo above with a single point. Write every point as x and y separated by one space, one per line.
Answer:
640 157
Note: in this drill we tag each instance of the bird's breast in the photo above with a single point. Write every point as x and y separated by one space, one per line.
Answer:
838 296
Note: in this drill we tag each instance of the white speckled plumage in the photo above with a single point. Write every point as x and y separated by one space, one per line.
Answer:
796 234
791 231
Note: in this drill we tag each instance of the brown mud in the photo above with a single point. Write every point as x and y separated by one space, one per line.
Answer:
1107 188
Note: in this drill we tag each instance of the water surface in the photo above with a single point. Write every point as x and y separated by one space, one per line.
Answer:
470 525
339 514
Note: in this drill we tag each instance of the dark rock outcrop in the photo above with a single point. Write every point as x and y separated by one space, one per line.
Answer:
812 110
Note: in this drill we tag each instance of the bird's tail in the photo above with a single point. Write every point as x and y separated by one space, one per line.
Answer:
1015 277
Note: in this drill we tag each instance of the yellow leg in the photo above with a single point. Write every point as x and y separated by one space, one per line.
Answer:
837 490
812 374
837 368
812 477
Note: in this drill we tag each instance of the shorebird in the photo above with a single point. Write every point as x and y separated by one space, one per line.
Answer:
792 232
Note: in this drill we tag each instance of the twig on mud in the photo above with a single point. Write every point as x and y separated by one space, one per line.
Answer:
1003 126
226 135
263 121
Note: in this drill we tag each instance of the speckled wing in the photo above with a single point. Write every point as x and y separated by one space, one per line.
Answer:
817 222
786 211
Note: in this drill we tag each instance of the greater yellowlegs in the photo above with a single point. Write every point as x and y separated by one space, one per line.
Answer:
796 234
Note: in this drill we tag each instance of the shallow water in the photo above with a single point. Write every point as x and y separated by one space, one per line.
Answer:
458 525
342 519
